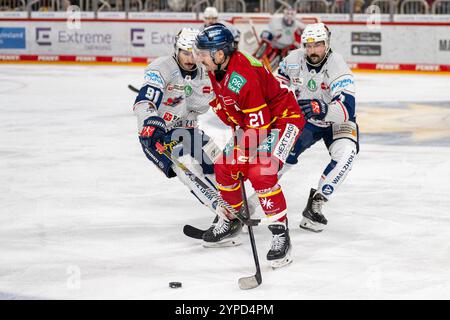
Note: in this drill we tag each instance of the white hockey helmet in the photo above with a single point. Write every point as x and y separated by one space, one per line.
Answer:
210 12
185 40
316 32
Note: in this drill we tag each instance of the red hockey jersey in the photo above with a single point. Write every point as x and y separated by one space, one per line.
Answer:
250 97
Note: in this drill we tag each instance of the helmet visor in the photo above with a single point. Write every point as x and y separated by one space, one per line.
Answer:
200 54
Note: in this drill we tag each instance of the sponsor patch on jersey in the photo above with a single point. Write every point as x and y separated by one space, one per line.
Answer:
207 90
168 116
297 80
293 66
176 87
268 144
236 82
173 102
327 189
228 101
286 142
341 84
154 78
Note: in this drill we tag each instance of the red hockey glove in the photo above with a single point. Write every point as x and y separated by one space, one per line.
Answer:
218 110
239 163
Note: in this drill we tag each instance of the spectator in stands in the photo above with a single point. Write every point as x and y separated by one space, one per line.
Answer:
359 6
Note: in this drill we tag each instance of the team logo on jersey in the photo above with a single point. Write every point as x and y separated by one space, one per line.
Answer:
236 82
173 102
188 90
168 116
327 189
324 86
266 203
312 85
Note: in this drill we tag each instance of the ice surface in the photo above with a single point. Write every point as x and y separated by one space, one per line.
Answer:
84 215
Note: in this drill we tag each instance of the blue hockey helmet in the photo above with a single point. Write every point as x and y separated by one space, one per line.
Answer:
214 38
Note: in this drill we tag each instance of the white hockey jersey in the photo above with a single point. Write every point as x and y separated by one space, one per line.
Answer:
284 36
167 94
332 83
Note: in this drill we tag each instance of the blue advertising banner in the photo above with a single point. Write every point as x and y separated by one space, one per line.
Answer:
12 38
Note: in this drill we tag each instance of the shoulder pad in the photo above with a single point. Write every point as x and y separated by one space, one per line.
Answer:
159 72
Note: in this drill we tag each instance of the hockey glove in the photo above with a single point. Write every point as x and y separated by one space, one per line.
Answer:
153 131
220 112
239 164
315 109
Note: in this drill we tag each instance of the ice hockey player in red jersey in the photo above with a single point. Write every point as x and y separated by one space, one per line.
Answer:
266 120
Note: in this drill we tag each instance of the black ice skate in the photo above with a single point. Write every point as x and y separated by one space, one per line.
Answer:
280 247
223 234
313 219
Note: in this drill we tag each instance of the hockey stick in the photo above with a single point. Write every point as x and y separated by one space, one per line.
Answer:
197 233
193 177
194 232
250 282
133 88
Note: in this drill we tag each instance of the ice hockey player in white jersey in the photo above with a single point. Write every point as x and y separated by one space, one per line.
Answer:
284 31
282 35
325 90
211 16
175 92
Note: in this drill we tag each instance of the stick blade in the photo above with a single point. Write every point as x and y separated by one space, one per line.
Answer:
193 232
251 282
133 88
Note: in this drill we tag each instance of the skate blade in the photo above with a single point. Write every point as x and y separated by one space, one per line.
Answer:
231 242
276 264
309 225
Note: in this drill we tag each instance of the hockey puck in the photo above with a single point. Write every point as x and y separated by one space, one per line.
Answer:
175 285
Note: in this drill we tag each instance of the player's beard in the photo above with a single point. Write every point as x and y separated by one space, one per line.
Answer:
314 58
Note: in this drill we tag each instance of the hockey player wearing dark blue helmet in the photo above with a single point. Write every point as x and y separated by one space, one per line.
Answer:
216 42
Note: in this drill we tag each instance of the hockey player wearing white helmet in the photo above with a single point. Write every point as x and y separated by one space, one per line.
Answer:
325 90
211 16
175 92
